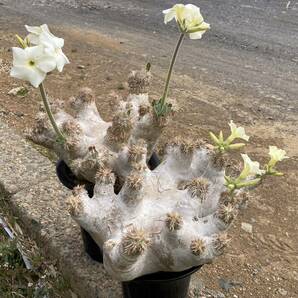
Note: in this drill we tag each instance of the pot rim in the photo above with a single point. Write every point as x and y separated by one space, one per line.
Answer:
166 276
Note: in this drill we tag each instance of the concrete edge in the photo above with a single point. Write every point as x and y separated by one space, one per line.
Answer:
36 196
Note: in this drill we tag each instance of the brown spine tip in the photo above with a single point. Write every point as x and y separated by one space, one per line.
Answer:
197 187
86 95
186 146
242 197
226 213
226 198
42 124
57 105
139 82
71 128
234 199
174 221
219 160
134 181
136 152
144 109
79 189
92 149
71 145
109 244
74 205
135 242
120 130
220 242
104 175
197 247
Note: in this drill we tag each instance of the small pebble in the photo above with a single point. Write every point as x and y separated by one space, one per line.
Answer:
282 292
246 227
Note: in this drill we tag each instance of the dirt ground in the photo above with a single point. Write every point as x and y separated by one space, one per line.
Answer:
263 263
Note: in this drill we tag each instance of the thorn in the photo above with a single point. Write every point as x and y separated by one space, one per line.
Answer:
104 175
174 221
197 187
226 213
135 242
220 242
197 247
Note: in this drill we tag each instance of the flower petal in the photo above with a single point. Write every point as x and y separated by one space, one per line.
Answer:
196 35
31 74
19 56
46 63
34 52
36 77
169 15
277 154
34 29
61 61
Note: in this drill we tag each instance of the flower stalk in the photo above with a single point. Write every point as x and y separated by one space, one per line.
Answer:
161 107
60 136
174 57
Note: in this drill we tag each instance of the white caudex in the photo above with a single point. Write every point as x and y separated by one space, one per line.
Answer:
168 219
172 218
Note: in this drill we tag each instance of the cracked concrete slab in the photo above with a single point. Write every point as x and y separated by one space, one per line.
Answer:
39 200
20 165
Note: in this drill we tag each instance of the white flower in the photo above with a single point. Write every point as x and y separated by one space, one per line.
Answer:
189 19
35 31
276 155
31 64
251 168
237 132
53 45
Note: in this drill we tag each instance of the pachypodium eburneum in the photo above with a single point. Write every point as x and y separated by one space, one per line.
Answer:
169 219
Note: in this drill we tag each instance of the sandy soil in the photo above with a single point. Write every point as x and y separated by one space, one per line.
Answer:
263 263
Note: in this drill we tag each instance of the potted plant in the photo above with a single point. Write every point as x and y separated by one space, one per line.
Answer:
156 224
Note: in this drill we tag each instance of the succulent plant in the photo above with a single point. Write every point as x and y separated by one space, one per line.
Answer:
171 218
168 219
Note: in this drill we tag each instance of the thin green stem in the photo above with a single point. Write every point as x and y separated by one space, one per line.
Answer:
49 112
166 90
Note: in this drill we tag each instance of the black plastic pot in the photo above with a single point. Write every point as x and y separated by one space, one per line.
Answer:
69 180
91 247
159 285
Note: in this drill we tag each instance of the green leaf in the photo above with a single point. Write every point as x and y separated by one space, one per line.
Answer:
21 41
253 182
220 137
161 109
22 92
236 146
148 66
214 138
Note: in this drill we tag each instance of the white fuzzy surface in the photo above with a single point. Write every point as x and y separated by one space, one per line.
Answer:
108 217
